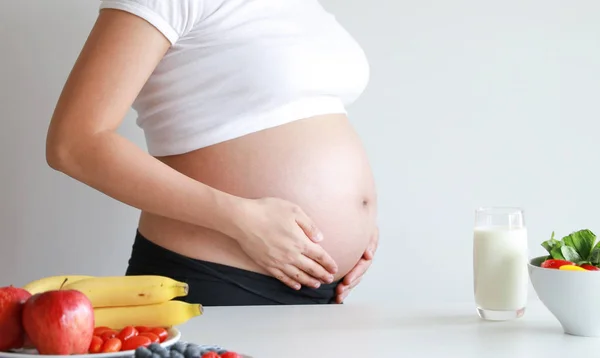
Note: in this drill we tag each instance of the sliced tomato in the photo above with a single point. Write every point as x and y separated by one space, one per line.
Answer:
555 264
590 267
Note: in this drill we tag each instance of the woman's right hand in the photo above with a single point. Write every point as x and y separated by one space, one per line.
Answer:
282 239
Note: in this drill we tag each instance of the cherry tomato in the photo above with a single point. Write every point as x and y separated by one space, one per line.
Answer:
106 335
211 355
153 337
27 343
111 345
161 333
95 345
141 329
127 333
135 342
590 267
230 355
99 330
555 264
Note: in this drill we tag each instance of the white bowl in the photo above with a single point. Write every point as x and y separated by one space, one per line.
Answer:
573 297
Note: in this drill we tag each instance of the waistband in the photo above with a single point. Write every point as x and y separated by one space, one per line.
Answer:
150 258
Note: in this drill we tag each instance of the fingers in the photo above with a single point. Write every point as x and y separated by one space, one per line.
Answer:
342 290
318 254
353 284
308 226
375 241
300 276
281 276
314 269
372 247
357 272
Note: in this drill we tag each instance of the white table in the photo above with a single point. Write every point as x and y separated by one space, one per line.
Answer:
353 330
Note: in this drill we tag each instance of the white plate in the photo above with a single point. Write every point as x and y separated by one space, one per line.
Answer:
172 338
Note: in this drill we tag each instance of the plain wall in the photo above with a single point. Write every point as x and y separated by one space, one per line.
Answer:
470 103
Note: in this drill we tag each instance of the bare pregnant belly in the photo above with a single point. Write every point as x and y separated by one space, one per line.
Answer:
318 163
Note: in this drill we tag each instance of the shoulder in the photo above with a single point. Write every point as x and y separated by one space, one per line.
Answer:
173 18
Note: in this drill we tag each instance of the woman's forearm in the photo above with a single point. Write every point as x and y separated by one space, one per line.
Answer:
118 168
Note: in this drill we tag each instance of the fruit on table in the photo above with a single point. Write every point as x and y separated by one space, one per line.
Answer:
554 263
95 345
117 291
151 336
78 314
126 333
59 322
571 268
136 342
165 314
211 355
111 345
52 283
12 333
183 350
230 355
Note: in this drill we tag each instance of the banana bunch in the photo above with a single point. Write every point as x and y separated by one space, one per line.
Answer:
51 283
121 301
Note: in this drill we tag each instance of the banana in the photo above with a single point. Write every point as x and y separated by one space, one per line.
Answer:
52 283
115 291
166 314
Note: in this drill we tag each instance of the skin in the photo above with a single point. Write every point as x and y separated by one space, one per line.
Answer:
196 203
353 278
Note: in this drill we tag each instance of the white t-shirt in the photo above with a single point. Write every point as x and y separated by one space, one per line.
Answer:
241 66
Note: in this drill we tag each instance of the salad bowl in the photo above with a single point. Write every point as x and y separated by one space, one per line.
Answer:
569 287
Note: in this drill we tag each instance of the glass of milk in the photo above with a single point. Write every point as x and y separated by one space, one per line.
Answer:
500 263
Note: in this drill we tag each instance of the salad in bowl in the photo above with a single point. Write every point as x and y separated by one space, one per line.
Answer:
566 283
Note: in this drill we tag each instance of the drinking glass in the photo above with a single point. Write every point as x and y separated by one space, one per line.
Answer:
500 256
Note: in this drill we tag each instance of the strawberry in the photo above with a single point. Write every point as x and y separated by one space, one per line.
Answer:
230 355
211 355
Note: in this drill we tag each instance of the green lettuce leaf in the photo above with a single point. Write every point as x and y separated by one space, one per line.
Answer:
582 242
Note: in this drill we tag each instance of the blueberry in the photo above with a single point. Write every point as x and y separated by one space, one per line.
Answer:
192 351
175 354
179 347
154 347
143 352
221 351
155 355
160 350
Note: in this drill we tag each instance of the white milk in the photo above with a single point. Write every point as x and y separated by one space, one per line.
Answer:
500 268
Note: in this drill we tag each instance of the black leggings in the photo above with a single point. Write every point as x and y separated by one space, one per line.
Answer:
213 284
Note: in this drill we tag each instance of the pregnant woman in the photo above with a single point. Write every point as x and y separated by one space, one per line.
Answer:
255 189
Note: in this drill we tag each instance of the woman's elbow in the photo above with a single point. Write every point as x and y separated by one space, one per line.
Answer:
60 149
56 154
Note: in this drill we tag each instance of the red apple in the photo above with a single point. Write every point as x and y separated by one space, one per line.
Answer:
59 322
12 334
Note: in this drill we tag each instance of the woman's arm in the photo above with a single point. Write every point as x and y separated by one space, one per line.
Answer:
120 54
117 59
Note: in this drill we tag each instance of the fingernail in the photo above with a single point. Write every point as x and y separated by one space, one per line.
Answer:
330 279
318 237
296 287
317 285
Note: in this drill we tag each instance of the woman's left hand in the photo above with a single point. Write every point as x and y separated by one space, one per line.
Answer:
355 275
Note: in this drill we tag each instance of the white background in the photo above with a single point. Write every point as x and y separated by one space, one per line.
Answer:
470 103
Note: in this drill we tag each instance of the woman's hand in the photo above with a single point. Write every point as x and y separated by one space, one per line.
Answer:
355 275
282 239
